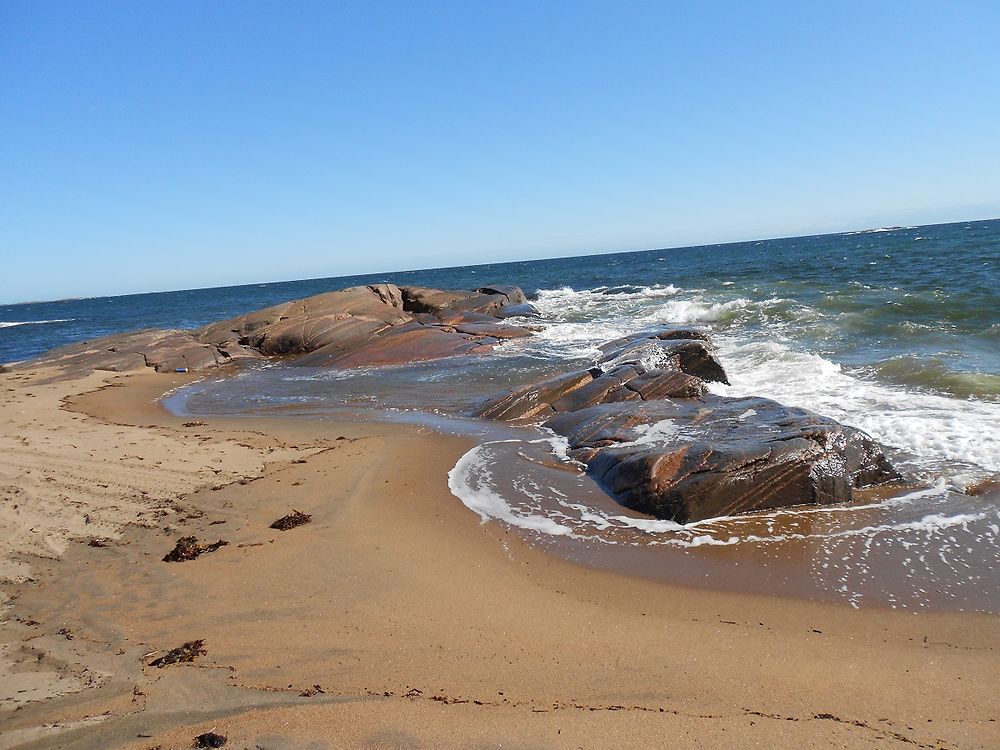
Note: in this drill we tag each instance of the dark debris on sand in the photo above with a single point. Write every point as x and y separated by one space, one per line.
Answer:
180 655
210 739
293 519
188 548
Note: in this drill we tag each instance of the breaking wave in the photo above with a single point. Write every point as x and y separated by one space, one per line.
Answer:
12 324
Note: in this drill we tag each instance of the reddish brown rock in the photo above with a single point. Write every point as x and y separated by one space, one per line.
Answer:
661 445
495 330
584 388
365 325
413 343
164 351
692 459
532 400
347 316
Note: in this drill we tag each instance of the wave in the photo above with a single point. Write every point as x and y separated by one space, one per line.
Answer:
12 324
697 310
933 431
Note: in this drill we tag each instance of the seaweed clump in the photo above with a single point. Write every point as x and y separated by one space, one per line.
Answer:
293 519
210 739
182 654
188 548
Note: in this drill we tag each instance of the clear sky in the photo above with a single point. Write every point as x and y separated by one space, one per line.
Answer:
149 146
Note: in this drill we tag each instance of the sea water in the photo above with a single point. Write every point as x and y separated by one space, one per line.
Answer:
895 331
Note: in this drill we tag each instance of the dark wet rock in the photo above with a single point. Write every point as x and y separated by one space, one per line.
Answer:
985 487
658 384
513 294
532 400
661 445
584 388
189 548
183 654
691 459
523 310
684 349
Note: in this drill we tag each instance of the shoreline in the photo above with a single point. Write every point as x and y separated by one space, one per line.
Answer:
422 625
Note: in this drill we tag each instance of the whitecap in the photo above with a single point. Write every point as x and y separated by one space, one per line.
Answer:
12 324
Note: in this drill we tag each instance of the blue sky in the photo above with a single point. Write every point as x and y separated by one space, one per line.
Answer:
151 146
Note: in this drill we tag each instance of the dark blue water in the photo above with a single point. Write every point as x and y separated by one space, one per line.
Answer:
916 306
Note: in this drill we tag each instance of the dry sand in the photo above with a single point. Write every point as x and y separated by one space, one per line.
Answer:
395 618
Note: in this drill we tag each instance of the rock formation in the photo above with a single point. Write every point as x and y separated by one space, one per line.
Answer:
367 325
659 444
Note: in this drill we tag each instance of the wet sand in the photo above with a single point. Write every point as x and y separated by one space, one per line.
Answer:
395 618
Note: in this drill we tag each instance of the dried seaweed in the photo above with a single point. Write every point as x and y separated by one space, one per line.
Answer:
293 519
188 548
182 654
210 739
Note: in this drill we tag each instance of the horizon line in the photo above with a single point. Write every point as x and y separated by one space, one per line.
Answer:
504 262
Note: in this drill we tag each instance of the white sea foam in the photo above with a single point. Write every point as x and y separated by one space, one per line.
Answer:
931 427
660 433
527 502
471 481
694 310
12 324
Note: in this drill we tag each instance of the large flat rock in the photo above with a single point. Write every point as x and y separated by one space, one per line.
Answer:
346 316
161 350
360 326
411 343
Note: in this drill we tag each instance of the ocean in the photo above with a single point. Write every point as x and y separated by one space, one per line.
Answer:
893 330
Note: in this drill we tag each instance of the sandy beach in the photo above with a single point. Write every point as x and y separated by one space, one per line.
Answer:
396 618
